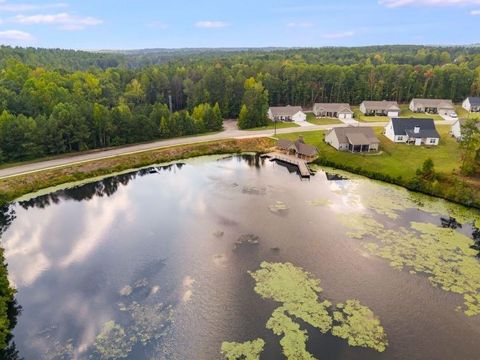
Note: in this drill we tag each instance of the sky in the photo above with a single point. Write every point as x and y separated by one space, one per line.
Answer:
129 24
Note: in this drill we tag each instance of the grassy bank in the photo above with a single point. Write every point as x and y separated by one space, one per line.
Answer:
12 188
311 118
398 163
280 125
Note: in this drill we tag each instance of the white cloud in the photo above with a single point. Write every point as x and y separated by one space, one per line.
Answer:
302 24
65 21
211 24
475 12
20 7
400 3
15 36
339 35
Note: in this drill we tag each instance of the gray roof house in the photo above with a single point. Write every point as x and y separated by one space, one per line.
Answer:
380 108
286 113
472 104
412 131
353 138
298 148
331 110
433 106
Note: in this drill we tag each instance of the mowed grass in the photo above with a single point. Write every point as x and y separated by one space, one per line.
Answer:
394 159
358 115
311 118
464 114
280 125
406 112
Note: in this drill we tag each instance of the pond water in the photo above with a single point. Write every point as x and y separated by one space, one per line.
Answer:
157 264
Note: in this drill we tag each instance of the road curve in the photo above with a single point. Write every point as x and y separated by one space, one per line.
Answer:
230 132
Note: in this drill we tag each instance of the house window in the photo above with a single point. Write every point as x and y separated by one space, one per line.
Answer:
432 141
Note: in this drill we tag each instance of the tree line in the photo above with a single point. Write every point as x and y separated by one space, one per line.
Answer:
111 99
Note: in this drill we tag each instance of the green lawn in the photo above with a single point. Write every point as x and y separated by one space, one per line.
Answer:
280 125
394 159
406 112
464 114
358 115
311 118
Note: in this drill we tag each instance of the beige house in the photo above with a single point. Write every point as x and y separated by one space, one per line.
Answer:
380 108
433 106
353 139
328 110
287 113
298 148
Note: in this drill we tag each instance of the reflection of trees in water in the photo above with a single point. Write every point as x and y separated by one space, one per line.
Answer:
7 215
106 187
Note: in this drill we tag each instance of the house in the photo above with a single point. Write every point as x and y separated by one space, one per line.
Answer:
412 131
354 139
286 113
340 111
433 106
456 130
472 104
380 108
298 148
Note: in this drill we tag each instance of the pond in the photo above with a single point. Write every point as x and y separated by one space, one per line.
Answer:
238 254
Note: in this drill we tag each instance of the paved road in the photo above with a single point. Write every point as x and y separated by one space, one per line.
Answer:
230 132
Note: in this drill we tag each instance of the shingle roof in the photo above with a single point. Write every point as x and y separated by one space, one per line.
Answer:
299 145
407 126
356 134
434 103
333 107
382 105
474 100
285 110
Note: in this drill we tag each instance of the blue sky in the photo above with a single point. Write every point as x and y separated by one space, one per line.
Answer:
128 24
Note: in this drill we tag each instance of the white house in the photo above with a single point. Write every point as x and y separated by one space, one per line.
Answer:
472 104
287 113
456 130
380 108
433 106
340 111
353 139
412 131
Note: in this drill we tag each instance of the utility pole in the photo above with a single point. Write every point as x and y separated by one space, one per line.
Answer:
275 127
170 104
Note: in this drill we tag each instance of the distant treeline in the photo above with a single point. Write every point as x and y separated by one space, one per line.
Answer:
56 101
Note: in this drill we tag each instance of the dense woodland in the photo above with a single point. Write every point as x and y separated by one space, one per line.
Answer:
58 101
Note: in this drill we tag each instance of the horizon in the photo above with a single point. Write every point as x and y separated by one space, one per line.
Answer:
213 24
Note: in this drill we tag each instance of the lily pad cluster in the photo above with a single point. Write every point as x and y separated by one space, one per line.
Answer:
444 254
298 293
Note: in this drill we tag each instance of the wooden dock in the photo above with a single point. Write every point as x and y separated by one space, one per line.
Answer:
292 160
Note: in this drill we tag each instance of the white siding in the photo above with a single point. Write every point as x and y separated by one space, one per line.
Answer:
332 140
432 141
466 104
457 130
270 115
345 116
389 132
393 114
412 106
363 109
300 116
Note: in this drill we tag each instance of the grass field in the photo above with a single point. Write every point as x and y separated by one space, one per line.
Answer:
363 118
395 159
311 118
280 125
406 112
464 114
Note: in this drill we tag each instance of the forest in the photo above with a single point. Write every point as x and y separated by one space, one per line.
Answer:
59 101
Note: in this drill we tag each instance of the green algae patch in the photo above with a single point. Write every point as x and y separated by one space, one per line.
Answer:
359 326
249 350
444 255
298 293
294 339
149 321
319 202
113 342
